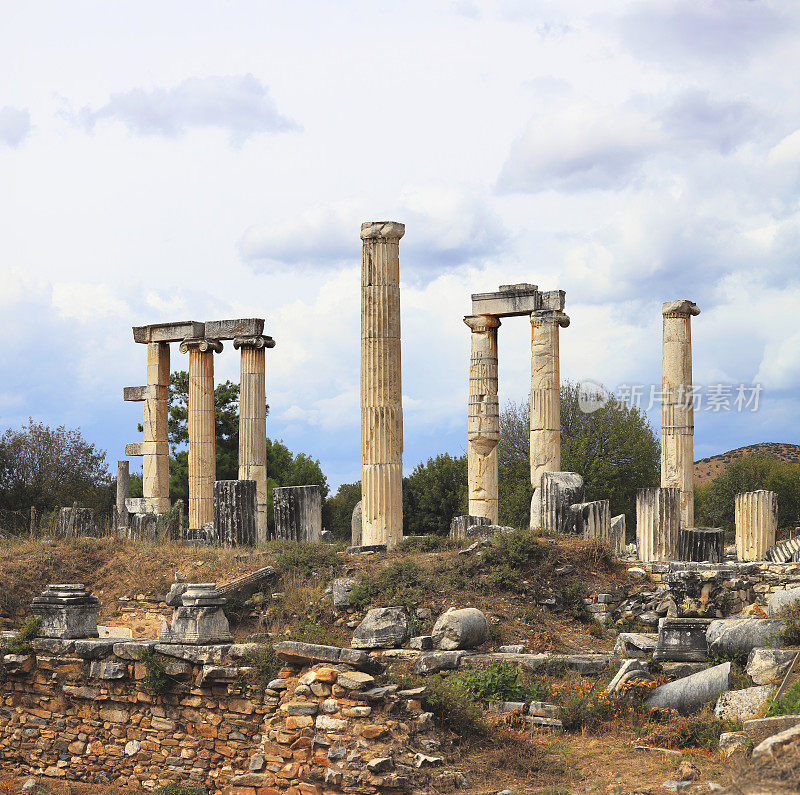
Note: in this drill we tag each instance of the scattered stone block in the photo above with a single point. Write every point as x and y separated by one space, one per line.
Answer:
460 629
421 642
382 628
636 644
437 661
518 648
781 599
364 549
468 526
773 746
758 729
341 591
744 704
768 666
628 671
682 639
731 743
737 637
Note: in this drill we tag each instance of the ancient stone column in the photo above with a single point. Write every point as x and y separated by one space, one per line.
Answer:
123 485
202 437
756 523
253 423
298 512
155 450
658 515
483 418
235 512
381 396
557 493
677 409
701 544
593 521
545 425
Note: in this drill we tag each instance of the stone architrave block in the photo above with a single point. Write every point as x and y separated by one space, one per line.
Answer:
511 300
200 619
168 332
66 611
298 512
229 329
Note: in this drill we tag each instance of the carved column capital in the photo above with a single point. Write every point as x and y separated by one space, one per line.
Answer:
541 316
478 324
203 345
258 342
681 308
387 230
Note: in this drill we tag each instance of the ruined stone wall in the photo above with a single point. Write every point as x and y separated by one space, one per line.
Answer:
78 711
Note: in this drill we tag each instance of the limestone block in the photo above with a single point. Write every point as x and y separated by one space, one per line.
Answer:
341 591
759 729
744 704
168 332
460 629
689 694
781 599
298 512
732 637
461 525
66 611
382 628
635 644
200 619
773 746
682 639
229 329
511 300
235 512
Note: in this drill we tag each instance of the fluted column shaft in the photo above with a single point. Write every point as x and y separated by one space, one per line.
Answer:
658 523
545 425
202 436
253 423
155 451
756 515
483 418
123 486
381 395
677 409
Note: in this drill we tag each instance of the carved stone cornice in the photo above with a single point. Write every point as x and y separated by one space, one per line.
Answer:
204 345
259 341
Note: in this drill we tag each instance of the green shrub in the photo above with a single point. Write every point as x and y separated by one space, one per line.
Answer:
264 666
428 543
791 633
304 558
155 679
499 682
788 703
21 642
403 582
574 604
454 706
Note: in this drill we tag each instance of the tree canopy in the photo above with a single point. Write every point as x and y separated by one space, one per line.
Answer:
433 494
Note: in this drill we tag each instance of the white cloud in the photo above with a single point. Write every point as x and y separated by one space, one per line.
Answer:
15 125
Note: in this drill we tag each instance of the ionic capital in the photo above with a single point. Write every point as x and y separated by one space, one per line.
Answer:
386 230
257 342
680 308
203 345
480 323
542 316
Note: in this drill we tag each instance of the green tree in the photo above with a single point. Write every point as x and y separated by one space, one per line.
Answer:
433 494
714 502
50 468
340 509
614 449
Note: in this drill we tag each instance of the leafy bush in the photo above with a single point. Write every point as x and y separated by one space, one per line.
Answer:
21 642
304 558
454 706
428 543
701 730
403 582
574 604
499 682
788 703
791 633
155 679
264 666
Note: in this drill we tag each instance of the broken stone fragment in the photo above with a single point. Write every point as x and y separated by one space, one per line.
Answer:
460 629
382 628
769 666
744 704
689 694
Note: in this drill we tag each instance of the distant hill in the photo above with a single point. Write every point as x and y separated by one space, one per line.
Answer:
708 468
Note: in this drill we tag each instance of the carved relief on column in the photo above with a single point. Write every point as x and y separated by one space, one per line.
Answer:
677 407
155 451
483 418
253 423
381 397
545 428
202 436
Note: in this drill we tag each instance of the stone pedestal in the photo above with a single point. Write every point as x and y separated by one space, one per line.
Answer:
545 427
702 544
657 523
677 409
235 512
483 418
200 619
682 639
557 493
123 486
593 521
298 512
460 525
756 523
66 611
253 423
202 436
381 397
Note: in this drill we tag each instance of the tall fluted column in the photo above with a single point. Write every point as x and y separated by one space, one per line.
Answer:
756 515
123 485
483 417
155 451
545 428
677 409
202 447
253 423
381 395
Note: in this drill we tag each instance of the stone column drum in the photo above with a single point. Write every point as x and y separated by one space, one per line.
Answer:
381 396
677 410
483 418
253 423
298 512
202 437
756 523
123 486
545 427
155 451
235 512
658 523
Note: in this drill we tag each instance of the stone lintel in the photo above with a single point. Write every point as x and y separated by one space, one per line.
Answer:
683 307
255 341
387 230
549 315
147 448
203 344
512 300
150 392
168 332
228 329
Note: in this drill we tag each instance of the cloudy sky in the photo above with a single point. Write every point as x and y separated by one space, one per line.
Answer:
167 161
